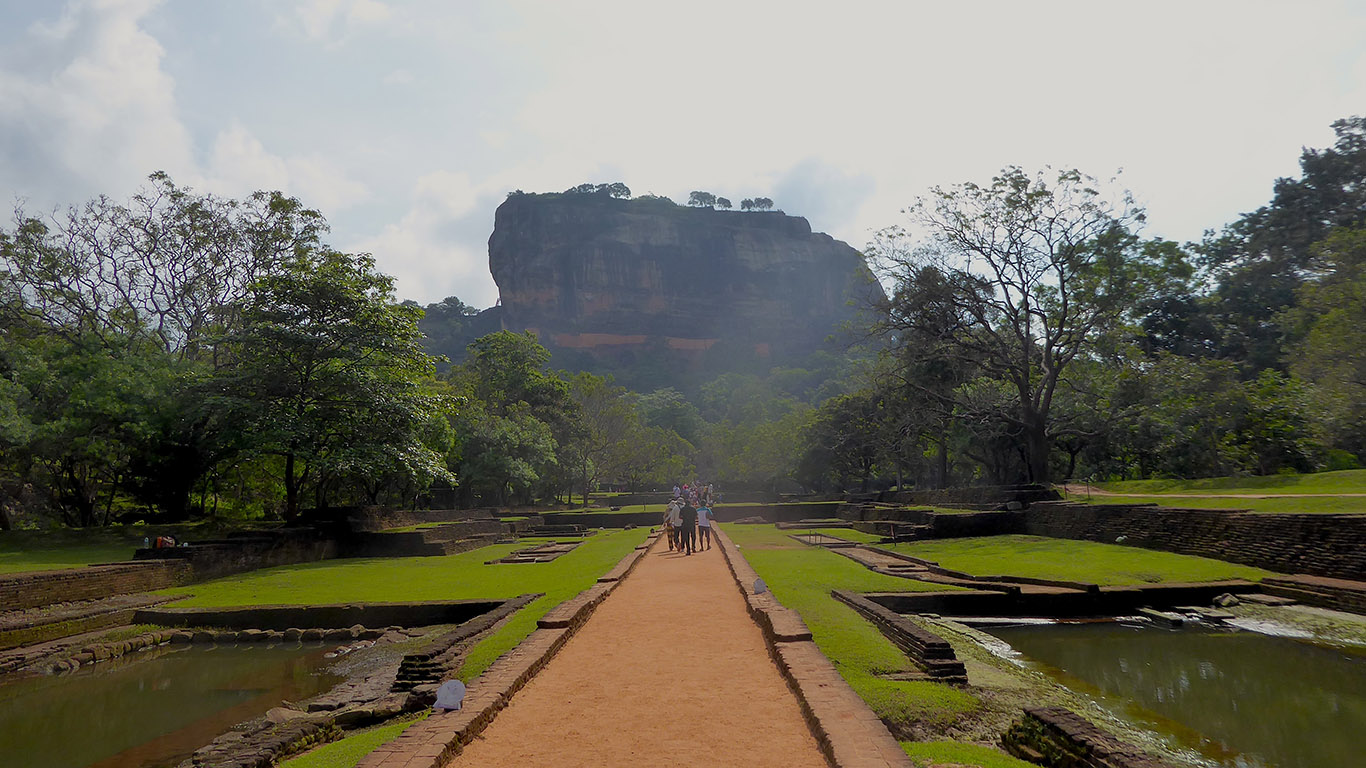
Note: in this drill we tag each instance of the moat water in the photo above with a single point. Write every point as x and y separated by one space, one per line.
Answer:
1239 699
150 709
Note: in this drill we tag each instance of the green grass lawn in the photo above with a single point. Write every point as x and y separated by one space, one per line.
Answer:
346 752
18 557
801 577
1085 561
1343 481
848 534
923 753
34 550
452 577
1295 505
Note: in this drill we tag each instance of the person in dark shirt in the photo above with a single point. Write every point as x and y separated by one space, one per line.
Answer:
688 534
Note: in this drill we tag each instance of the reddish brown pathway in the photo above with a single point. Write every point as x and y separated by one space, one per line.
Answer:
669 671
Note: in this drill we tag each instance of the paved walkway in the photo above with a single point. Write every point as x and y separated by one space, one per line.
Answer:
669 671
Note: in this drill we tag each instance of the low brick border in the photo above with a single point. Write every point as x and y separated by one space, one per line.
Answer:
849 733
1336 594
929 651
97 652
34 589
1057 736
433 742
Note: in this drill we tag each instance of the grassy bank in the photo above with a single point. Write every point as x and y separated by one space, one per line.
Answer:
1352 505
801 577
1068 560
452 577
1343 481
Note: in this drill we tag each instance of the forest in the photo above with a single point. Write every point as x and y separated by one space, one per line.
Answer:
181 355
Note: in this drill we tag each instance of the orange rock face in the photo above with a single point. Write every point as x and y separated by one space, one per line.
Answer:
599 274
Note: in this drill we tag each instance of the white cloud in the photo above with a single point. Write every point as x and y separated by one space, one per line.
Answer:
86 107
241 164
334 20
843 114
430 251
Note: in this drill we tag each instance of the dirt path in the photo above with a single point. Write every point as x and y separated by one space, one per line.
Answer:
669 671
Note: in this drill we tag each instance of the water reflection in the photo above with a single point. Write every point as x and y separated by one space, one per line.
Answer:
1243 699
141 712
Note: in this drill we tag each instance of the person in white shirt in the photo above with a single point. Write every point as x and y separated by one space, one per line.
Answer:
704 526
674 524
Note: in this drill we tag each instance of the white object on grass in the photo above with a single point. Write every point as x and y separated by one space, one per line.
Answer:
449 695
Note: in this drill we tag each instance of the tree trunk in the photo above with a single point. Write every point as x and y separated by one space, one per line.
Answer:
943 458
1036 449
291 490
585 483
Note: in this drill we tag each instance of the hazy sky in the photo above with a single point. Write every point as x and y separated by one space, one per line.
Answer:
407 121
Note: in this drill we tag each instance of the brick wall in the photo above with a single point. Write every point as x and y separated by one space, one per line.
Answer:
1321 545
32 590
247 552
1060 738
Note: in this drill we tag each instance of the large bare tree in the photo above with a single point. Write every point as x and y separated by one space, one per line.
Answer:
1025 274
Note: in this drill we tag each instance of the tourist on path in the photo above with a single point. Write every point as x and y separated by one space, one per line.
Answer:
688 533
673 524
704 526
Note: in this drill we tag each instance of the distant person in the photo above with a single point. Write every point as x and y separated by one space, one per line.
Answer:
704 526
677 491
675 525
688 533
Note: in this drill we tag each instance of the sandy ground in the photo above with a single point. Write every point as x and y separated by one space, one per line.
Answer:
669 671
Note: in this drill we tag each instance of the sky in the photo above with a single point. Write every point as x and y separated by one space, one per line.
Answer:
406 122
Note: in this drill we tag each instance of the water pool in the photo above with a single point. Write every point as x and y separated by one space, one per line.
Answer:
150 709
1242 699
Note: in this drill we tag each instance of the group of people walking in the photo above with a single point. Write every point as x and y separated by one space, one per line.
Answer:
688 520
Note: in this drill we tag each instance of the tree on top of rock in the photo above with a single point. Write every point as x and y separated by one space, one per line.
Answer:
700 199
615 189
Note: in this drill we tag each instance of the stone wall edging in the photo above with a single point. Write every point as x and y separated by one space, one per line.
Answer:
107 651
42 633
35 589
847 730
927 650
1059 737
433 742
1330 545
325 616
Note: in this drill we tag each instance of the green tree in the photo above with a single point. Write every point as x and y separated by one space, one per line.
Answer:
723 204
1329 322
326 372
609 425
700 199
1260 260
669 409
840 443
521 417
1037 269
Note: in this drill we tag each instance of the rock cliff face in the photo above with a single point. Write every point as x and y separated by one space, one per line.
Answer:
612 277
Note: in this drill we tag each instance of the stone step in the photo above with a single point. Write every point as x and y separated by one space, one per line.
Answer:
1209 614
1266 599
1163 618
